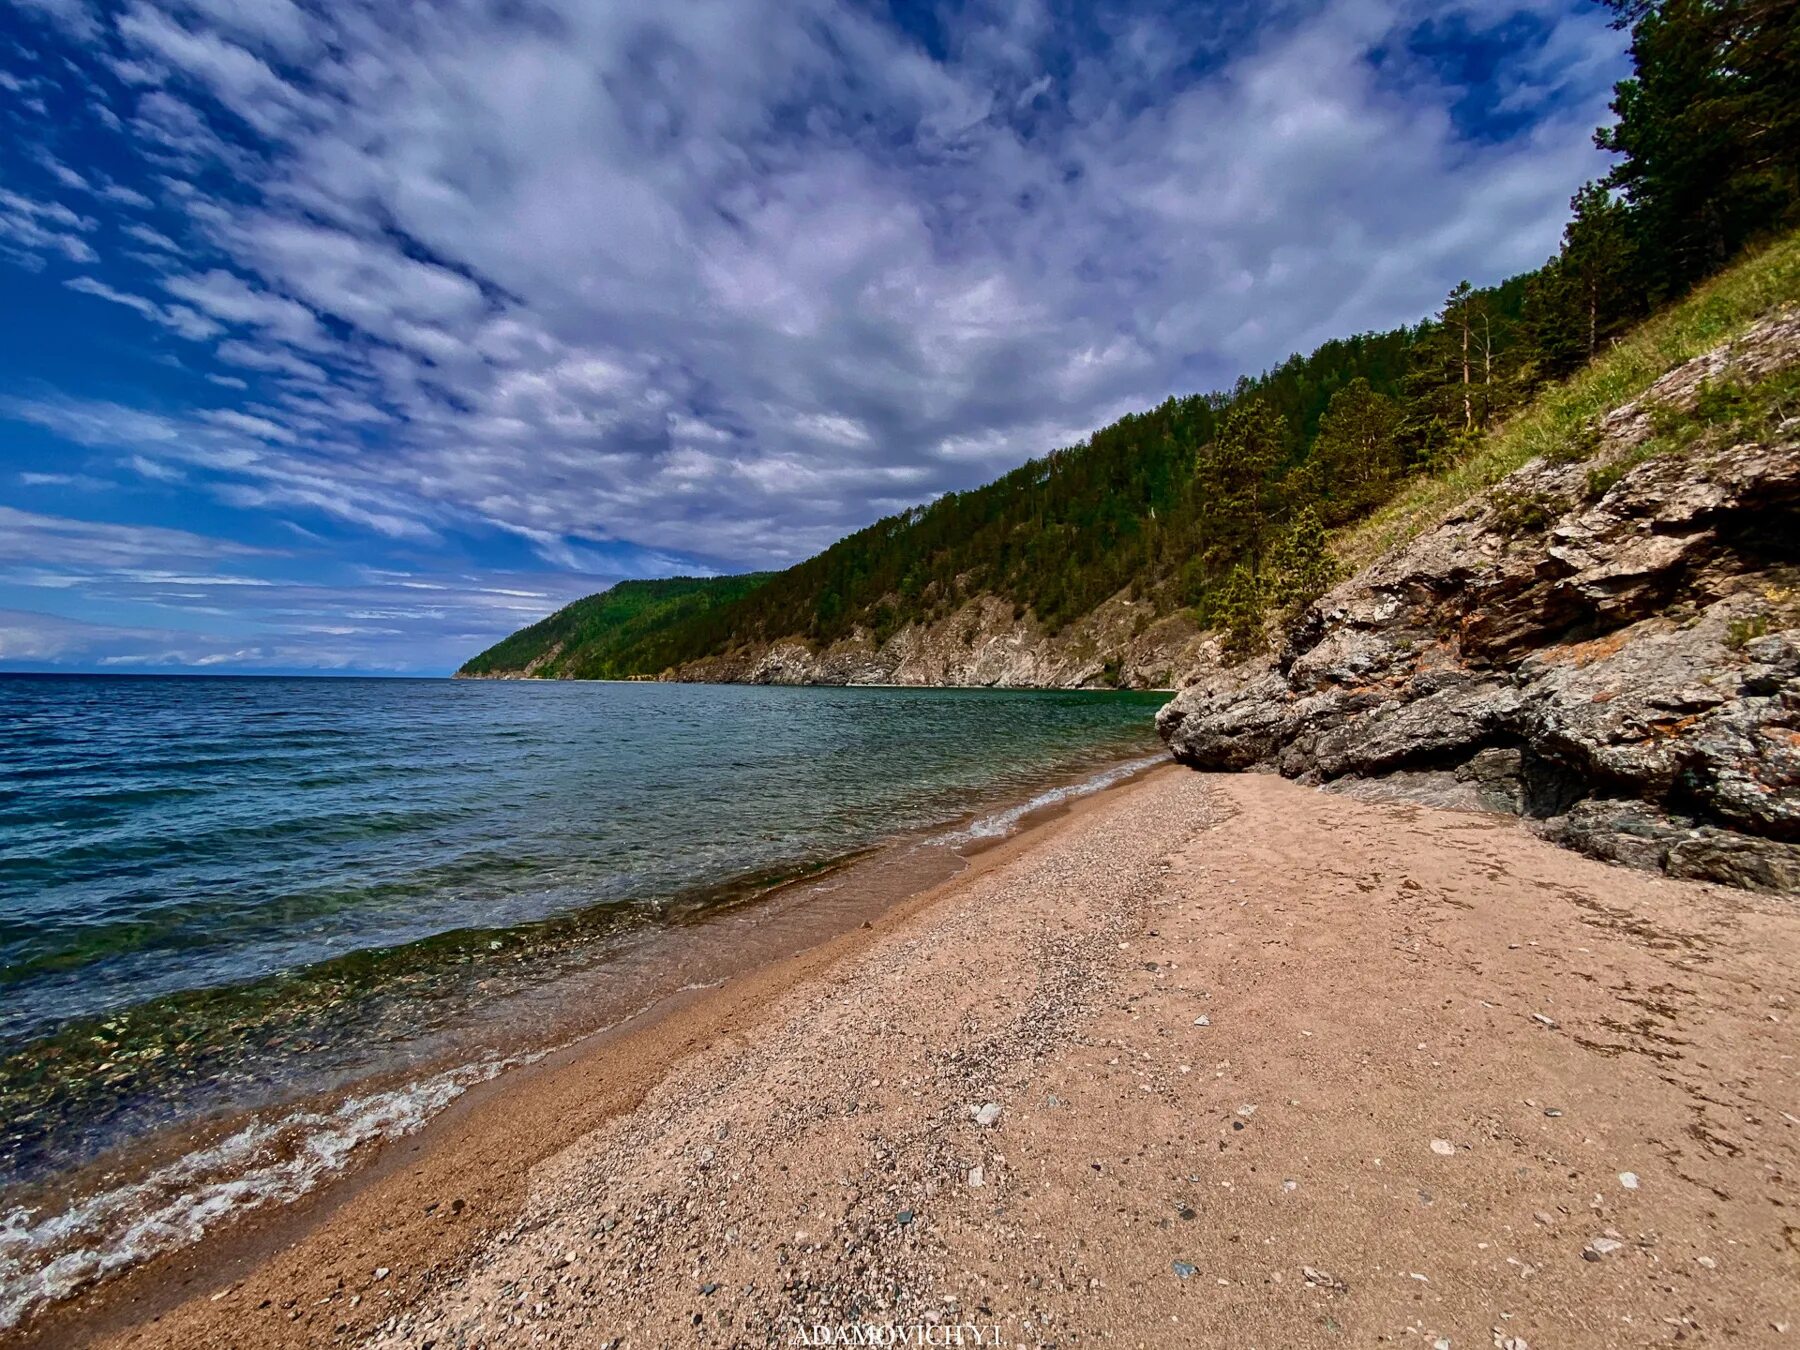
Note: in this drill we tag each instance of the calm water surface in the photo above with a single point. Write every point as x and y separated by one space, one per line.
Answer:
219 894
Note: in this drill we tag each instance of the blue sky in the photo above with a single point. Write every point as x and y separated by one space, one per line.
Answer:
351 337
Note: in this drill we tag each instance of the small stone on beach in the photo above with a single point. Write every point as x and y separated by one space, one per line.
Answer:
1323 1279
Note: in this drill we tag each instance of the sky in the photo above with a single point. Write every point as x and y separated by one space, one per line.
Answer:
350 337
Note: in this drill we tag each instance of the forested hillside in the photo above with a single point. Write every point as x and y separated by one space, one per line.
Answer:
1223 505
621 632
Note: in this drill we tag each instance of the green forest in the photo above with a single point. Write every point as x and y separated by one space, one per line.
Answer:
626 630
1224 504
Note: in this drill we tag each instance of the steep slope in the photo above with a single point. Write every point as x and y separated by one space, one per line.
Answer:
617 634
1606 641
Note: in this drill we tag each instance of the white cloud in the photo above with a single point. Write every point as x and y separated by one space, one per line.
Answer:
242 81
60 541
126 196
75 16
726 280
277 25
178 318
270 358
153 238
28 636
31 228
231 299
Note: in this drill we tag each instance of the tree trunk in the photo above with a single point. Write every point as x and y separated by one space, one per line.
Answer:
1468 397
1487 366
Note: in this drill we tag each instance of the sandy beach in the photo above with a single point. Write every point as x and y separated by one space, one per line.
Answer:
1203 1061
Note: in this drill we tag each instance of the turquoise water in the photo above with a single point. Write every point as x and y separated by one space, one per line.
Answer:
216 894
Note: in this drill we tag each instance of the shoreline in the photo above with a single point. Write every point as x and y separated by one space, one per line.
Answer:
819 684
1266 1066
785 921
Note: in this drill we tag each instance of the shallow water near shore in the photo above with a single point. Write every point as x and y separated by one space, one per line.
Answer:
248 925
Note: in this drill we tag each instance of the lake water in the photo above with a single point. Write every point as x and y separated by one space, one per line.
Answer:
280 906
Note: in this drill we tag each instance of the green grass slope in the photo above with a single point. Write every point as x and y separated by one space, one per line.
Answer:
1556 422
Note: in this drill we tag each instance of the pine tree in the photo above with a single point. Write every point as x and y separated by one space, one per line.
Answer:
1444 388
1708 131
1588 292
1234 480
1301 566
1356 454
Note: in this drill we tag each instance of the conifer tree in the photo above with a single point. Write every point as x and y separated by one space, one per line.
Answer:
1235 482
1707 130
1590 290
1356 454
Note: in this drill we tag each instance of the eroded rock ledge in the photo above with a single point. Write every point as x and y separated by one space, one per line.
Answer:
1608 647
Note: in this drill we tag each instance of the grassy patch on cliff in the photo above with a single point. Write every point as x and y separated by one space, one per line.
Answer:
1559 421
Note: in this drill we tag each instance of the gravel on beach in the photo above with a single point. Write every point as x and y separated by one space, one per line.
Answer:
1207 1061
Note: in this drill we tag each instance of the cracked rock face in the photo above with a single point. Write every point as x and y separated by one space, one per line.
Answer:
1627 675
983 644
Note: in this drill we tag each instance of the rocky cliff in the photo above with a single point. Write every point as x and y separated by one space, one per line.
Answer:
1606 642
986 643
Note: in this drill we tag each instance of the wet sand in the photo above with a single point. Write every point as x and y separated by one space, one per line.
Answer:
1260 1066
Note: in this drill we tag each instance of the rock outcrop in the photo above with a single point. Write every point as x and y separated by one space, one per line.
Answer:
986 643
1609 646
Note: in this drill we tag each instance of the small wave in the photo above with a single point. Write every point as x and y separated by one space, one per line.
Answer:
1000 823
44 1258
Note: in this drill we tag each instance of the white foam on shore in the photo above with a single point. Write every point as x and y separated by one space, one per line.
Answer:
1000 823
48 1257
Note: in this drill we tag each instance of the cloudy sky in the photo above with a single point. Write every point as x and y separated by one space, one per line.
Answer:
351 336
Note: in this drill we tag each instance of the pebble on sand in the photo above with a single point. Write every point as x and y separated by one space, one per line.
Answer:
988 1115
1443 1148
1628 1180
1323 1279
